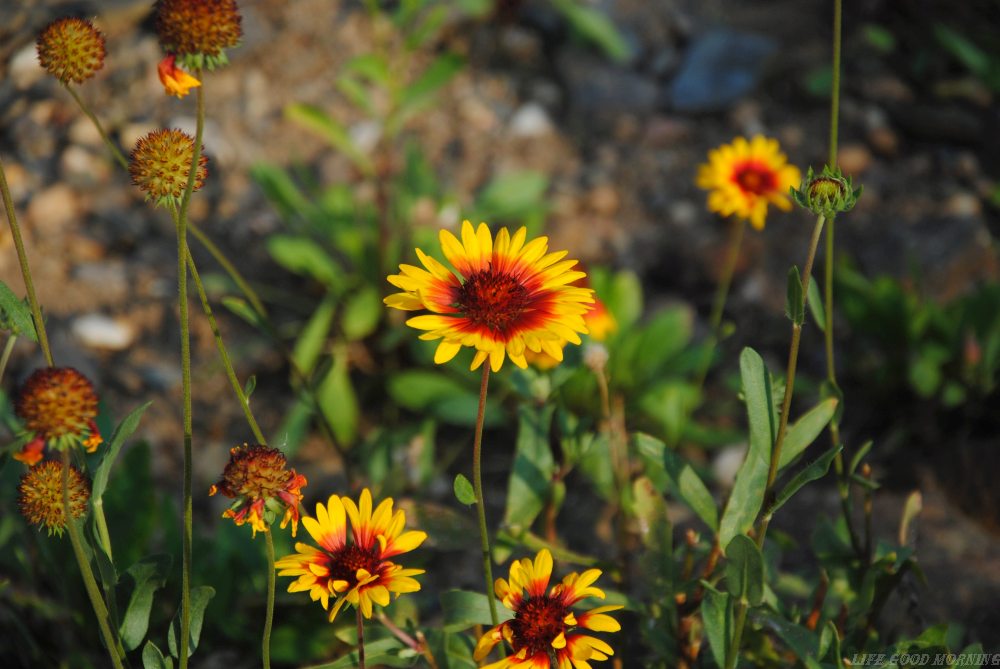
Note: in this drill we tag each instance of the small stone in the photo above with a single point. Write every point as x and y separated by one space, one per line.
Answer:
727 463
103 332
82 167
84 132
884 140
19 180
365 135
665 131
604 200
530 120
53 209
719 68
854 159
24 67
886 89
683 213
963 205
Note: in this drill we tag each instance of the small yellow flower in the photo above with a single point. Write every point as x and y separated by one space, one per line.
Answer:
58 405
198 31
71 50
360 572
504 297
161 162
176 81
744 177
40 496
256 477
544 624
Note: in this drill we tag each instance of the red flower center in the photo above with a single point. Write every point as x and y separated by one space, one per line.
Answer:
493 300
345 563
536 623
755 178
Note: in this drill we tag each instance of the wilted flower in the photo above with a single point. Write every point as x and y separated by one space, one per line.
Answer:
58 405
71 50
198 31
360 572
263 488
161 162
176 81
505 297
40 496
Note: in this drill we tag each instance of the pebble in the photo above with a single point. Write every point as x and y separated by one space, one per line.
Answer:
365 135
665 131
53 209
82 167
530 120
604 200
963 205
719 68
854 158
24 69
103 332
884 140
727 463
82 131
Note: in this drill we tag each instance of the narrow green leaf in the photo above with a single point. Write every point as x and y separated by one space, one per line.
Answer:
15 315
793 300
859 456
419 389
309 345
421 92
814 471
303 256
337 399
241 308
594 26
462 609
319 122
148 575
362 313
464 492
681 478
250 386
717 615
531 477
371 66
804 431
124 430
152 658
745 570
384 652
751 479
200 597
816 304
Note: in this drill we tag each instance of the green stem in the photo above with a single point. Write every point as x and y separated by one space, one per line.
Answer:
361 639
22 258
224 353
721 295
835 84
230 269
89 582
115 151
7 350
739 620
269 614
477 482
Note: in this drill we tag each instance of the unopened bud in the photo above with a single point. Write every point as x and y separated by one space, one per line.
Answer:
827 194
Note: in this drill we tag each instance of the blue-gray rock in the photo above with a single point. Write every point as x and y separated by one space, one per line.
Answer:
720 67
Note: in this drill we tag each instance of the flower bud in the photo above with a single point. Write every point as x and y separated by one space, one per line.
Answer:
827 194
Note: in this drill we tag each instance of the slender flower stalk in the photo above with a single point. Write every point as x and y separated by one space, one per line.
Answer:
477 484
85 108
721 295
361 639
269 615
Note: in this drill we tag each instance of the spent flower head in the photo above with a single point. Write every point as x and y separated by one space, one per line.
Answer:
58 406
504 297
198 31
161 162
743 178
71 49
357 572
263 489
544 623
40 496
827 194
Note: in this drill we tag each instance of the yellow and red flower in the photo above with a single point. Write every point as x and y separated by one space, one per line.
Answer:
40 496
263 488
58 405
176 81
744 177
545 624
504 297
358 572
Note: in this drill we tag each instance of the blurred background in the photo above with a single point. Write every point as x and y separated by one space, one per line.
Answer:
585 119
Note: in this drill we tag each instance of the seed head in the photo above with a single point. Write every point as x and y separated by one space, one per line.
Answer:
59 405
71 50
198 31
40 496
161 162
257 478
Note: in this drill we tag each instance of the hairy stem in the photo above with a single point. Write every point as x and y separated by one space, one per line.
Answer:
477 482
115 151
269 614
230 269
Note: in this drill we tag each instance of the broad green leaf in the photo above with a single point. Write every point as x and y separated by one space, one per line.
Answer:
302 255
717 615
361 313
371 66
152 658
530 481
595 463
512 195
419 389
200 597
745 570
751 479
681 478
595 27
312 339
625 298
336 399
462 609
803 642
816 304
124 430
793 298
15 314
804 431
669 404
451 651
385 652
814 471
321 123
464 492
148 576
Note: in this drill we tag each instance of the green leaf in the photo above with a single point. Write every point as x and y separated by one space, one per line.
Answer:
337 400
462 609
15 315
118 437
963 50
745 570
319 122
464 492
152 658
362 313
682 479
311 341
793 299
814 471
418 389
512 196
303 256
879 37
148 575
200 597
859 456
803 642
281 190
651 512
531 477
805 430
241 308
250 386
384 652
418 95
370 66
625 298
751 479
595 27
717 615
